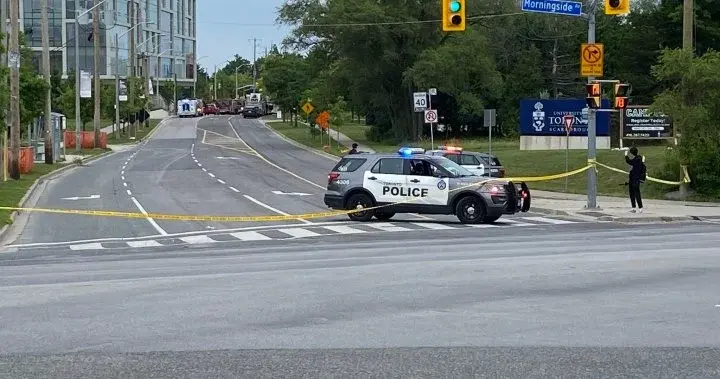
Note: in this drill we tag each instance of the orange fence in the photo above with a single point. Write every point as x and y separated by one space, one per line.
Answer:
27 159
87 138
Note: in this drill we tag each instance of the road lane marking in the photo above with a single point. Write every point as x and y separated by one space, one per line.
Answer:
432 226
387 227
548 220
128 192
234 189
211 174
299 232
250 236
150 220
204 169
87 246
197 239
270 163
340 229
258 202
148 243
221 181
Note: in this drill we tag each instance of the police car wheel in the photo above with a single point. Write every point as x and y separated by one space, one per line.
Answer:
384 216
470 210
360 201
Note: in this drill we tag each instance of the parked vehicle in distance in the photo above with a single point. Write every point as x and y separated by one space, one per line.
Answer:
224 106
210 109
187 108
482 164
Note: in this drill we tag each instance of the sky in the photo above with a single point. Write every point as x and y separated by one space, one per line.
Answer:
226 28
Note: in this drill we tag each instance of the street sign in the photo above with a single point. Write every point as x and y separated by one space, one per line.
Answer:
307 108
419 101
591 59
569 121
433 91
489 119
567 8
431 116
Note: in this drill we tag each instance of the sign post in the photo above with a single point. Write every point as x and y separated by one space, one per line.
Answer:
431 117
490 122
568 120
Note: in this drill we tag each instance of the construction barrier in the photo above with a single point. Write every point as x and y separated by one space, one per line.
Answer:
307 216
87 138
27 159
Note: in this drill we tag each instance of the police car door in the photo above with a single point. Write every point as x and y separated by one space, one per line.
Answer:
386 180
425 186
472 164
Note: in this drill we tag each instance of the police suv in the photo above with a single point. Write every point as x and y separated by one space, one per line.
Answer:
413 182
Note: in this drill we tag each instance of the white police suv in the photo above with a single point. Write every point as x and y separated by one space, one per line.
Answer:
410 181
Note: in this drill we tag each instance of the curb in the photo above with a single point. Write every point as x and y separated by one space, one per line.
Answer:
298 144
33 187
641 220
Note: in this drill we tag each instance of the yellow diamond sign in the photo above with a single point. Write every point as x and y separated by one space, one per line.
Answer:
307 108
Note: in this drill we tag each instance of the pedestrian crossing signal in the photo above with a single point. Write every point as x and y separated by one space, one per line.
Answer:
621 93
593 95
453 13
617 7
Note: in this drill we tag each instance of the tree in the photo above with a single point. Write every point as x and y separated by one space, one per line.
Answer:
66 103
692 100
285 79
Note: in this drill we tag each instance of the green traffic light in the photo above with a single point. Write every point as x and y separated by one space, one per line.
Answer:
454 6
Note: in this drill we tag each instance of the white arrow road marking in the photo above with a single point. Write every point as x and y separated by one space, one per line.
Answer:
230 158
291 193
91 197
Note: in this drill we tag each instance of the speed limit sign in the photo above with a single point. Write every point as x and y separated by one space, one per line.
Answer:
420 101
431 116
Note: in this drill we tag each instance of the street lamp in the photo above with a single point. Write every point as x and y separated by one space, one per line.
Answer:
195 75
215 79
117 74
78 120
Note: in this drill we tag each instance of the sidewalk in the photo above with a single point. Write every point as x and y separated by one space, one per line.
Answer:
618 209
347 142
159 114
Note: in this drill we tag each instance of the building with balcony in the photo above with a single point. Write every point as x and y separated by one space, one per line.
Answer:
166 36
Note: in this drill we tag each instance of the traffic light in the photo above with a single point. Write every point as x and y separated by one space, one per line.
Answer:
621 95
593 95
617 7
453 15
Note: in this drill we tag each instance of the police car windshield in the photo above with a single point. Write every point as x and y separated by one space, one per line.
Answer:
453 168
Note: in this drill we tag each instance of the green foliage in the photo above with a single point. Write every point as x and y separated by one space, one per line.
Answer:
32 86
692 101
66 102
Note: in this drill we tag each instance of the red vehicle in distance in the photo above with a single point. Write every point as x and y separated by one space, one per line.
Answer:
209 109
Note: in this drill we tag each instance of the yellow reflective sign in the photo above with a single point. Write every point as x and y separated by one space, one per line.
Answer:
307 108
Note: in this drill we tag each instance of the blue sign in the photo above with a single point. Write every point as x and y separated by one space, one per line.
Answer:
568 8
545 117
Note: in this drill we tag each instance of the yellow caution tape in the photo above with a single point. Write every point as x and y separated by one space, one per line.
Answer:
686 176
269 218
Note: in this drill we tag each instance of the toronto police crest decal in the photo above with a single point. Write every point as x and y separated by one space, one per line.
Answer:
441 185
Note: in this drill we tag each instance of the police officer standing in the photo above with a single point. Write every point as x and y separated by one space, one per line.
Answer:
637 176
354 149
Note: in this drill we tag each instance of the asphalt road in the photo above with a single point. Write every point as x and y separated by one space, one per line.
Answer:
594 301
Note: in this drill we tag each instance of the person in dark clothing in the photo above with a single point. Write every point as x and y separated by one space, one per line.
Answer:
637 176
354 149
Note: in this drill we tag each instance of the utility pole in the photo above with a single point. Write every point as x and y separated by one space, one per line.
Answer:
14 63
45 30
3 62
236 81
96 69
131 57
688 20
215 84
148 83
592 122
117 87
254 40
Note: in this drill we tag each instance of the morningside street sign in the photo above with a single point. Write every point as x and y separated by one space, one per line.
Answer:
567 8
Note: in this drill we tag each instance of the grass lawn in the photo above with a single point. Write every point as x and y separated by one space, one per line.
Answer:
13 190
70 123
124 138
539 163
301 134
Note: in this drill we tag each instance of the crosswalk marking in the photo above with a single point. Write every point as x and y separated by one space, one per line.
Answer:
197 239
299 232
315 231
429 225
341 229
149 243
512 222
87 246
387 227
548 220
250 236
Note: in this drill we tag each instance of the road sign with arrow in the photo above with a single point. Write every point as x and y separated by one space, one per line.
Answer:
591 59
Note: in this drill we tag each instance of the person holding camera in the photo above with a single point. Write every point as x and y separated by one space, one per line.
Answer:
638 174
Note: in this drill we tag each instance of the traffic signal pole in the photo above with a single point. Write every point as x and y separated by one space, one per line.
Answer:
592 123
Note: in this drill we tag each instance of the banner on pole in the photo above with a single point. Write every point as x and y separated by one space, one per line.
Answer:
85 85
122 94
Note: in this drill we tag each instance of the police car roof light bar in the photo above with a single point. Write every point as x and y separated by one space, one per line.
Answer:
408 151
